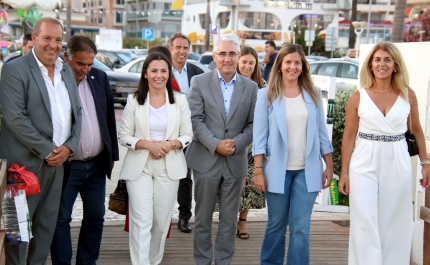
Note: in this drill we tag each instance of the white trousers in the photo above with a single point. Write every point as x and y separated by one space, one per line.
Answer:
380 204
151 200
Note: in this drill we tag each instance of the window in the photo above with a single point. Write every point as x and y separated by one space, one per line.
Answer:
328 69
166 5
84 5
120 2
202 18
118 17
260 20
133 68
143 6
147 6
153 5
100 2
110 56
137 67
349 71
313 67
92 4
223 19
100 20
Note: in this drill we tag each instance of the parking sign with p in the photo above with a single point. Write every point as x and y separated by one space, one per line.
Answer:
213 29
147 34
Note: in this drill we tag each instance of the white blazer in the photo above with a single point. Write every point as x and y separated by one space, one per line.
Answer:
135 127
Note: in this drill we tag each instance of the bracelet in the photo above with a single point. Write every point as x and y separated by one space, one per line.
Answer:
256 174
173 145
258 166
425 162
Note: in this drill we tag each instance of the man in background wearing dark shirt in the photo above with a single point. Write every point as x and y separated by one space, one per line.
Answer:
269 58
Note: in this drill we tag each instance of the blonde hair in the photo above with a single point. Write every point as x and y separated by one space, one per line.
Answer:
275 85
400 76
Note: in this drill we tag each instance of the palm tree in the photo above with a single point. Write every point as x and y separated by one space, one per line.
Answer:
399 21
352 36
207 24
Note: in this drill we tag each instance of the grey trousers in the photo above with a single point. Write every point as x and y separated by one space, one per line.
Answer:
205 194
43 209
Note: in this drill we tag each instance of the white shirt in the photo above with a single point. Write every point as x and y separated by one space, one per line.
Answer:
182 79
61 109
297 123
227 91
158 123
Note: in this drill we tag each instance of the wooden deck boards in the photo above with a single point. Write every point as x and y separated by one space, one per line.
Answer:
329 245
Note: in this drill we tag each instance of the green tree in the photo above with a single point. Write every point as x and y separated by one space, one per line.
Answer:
318 45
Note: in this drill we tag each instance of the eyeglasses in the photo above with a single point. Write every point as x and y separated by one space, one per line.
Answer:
224 54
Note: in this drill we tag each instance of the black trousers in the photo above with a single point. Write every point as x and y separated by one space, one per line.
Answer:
185 196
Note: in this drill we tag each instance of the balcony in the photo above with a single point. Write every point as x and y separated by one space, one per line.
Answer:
336 5
134 34
167 13
137 15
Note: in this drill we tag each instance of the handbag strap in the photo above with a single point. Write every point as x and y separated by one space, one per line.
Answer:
410 109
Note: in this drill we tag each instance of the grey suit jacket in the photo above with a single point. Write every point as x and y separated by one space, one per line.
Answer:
27 130
210 124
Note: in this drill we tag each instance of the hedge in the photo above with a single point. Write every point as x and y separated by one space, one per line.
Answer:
341 100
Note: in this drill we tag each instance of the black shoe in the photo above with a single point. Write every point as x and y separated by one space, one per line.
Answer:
184 226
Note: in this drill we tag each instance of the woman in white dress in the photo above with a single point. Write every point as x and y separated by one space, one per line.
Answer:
376 168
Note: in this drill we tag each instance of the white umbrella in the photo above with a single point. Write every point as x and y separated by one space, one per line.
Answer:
26 4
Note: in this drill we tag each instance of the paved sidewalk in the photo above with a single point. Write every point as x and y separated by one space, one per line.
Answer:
253 215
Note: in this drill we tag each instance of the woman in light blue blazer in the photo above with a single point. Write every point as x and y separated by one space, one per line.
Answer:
290 137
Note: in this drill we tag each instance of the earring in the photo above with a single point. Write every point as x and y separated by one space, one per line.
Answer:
395 71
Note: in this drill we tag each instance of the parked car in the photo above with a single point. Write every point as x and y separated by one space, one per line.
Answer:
116 77
206 58
194 56
345 71
119 58
312 58
135 67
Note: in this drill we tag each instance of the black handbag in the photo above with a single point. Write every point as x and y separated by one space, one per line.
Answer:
118 200
411 141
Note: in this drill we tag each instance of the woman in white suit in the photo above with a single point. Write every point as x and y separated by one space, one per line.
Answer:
156 126
290 137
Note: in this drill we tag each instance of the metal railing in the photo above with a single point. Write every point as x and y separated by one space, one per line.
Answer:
425 215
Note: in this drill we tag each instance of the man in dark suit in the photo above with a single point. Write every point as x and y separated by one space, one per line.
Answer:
183 72
40 130
93 159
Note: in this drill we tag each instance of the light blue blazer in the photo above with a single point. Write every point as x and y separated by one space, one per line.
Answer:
270 139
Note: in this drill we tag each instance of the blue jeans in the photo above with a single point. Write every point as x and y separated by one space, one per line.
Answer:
293 208
88 179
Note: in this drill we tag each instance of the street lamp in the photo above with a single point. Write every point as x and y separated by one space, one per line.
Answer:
358 29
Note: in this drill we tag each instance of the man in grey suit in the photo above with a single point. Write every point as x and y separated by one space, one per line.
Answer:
222 111
40 130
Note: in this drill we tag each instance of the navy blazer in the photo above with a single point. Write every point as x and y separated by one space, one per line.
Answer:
192 70
100 87
271 140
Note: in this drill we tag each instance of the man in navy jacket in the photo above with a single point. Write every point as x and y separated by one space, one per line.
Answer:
93 160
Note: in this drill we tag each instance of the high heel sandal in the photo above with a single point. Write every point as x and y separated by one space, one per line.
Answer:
239 234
